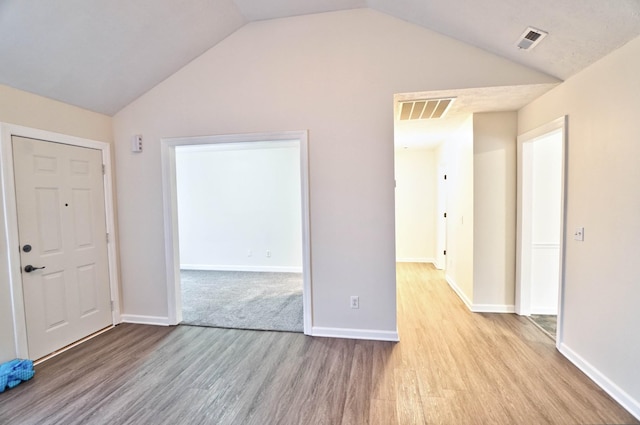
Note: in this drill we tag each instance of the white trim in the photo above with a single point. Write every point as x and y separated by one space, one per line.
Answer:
168 152
478 308
493 308
241 268
146 320
416 260
452 283
9 220
523 266
440 262
617 393
239 146
367 334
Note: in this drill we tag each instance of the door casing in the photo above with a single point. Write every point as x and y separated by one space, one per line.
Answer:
441 230
523 288
11 271
169 189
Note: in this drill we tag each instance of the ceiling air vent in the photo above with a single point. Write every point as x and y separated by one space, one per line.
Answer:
424 109
530 38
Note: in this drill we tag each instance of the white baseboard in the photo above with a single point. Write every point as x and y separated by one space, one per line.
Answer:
145 320
355 334
242 268
617 393
452 283
479 308
416 260
493 308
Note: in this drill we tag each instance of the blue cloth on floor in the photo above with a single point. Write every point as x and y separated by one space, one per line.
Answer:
14 372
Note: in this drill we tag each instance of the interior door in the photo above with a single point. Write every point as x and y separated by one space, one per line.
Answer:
63 245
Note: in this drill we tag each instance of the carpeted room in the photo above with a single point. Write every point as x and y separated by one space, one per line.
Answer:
240 236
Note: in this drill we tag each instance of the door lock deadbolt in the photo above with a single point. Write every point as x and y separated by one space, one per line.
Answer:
26 248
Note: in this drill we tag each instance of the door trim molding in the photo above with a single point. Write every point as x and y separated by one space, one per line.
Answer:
10 270
523 289
169 191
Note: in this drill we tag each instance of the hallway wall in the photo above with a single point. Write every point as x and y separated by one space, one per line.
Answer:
599 330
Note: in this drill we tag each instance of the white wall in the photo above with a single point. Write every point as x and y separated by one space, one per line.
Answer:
416 196
494 210
334 74
457 153
238 201
545 220
26 109
480 163
601 317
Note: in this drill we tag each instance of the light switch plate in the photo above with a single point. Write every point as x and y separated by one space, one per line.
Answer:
578 234
136 143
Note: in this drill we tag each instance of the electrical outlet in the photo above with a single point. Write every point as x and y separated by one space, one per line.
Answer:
268 254
579 234
355 301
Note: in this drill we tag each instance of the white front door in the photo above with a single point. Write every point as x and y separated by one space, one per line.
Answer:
63 246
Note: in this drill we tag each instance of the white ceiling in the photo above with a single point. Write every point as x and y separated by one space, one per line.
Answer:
101 55
428 134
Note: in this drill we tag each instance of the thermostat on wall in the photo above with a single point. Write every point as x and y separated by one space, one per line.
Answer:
136 143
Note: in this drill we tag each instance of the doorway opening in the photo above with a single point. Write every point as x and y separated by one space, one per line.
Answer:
230 220
240 236
541 198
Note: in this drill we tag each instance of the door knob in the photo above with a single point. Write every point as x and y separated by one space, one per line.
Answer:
29 268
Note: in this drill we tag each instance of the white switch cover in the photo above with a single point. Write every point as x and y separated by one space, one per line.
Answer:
136 143
579 234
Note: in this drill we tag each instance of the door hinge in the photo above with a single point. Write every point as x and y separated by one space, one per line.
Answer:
107 238
445 252
445 215
445 176
112 305
104 170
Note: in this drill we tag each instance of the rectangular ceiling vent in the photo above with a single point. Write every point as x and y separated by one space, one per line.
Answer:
530 38
426 109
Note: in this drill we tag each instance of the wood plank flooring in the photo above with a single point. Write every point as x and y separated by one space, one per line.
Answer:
451 367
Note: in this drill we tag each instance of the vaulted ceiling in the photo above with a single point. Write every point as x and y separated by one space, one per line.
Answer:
101 55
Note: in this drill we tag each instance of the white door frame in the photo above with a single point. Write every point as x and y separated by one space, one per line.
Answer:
169 190
11 271
441 224
523 254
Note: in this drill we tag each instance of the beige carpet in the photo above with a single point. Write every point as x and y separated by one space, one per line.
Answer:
242 300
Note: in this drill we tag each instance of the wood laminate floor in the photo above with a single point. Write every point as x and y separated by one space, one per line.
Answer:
451 367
